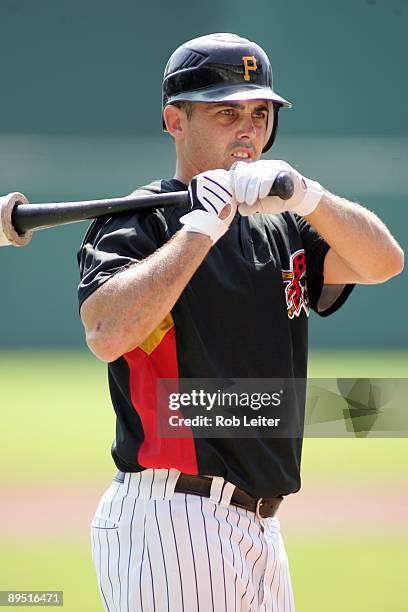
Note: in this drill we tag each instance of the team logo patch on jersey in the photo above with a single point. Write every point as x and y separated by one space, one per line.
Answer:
296 289
249 64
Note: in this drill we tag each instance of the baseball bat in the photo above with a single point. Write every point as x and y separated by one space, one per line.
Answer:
22 218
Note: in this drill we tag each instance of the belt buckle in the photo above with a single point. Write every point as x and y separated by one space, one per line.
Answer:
257 507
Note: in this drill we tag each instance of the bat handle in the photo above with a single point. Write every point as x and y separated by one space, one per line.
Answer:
283 186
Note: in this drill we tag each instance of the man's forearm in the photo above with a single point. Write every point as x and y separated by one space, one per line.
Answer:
358 236
131 304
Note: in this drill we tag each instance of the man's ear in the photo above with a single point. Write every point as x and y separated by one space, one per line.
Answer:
174 119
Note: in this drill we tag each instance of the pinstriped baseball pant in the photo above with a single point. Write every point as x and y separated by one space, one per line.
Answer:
159 551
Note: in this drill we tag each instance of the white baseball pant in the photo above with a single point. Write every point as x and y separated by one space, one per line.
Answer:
159 551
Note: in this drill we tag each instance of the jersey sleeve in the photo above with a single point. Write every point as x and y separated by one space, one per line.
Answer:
323 299
114 243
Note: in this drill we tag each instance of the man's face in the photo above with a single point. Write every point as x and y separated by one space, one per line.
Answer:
219 134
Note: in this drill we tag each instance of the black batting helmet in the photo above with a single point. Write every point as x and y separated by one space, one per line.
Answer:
221 68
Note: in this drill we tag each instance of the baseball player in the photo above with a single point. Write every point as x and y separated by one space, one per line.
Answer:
220 288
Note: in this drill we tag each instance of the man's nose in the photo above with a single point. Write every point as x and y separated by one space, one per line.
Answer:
246 127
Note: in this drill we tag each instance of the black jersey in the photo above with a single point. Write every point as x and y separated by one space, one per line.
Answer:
244 314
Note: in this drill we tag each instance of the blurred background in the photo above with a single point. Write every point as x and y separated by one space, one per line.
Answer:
80 118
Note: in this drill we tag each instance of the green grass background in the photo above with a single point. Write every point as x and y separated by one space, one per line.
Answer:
57 420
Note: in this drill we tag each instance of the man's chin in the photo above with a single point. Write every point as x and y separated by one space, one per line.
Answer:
235 160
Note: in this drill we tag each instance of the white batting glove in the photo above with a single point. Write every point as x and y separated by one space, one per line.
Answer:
252 183
209 193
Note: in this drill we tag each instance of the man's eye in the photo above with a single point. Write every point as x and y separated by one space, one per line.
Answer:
227 111
261 115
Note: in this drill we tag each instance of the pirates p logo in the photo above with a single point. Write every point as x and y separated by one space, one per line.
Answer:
249 64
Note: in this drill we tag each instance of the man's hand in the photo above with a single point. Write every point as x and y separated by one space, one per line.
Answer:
252 182
212 204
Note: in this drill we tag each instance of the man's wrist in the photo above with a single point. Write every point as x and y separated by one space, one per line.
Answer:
190 233
204 222
319 206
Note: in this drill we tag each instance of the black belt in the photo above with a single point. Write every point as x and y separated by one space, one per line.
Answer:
264 507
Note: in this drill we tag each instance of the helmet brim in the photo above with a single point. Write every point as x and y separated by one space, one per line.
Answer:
230 94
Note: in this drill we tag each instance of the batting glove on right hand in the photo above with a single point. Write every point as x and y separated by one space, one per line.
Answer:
252 183
209 193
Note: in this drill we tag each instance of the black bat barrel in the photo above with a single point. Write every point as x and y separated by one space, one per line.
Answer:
39 216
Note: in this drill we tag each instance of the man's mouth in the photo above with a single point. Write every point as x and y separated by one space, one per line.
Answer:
242 155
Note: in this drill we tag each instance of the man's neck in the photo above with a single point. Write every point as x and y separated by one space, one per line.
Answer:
185 170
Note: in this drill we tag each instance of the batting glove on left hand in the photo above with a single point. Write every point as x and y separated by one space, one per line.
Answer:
209 193
253 181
